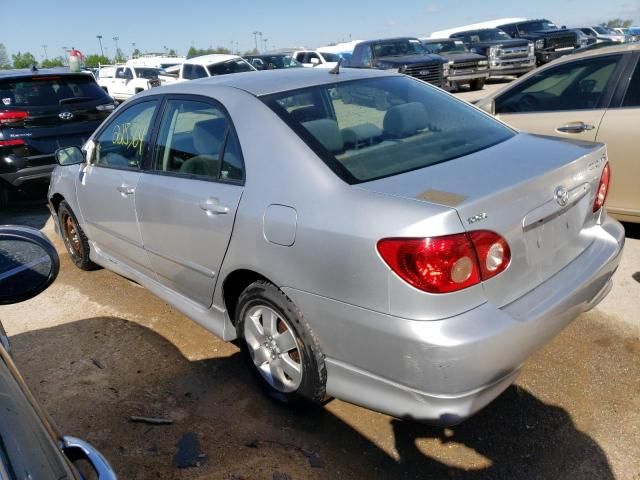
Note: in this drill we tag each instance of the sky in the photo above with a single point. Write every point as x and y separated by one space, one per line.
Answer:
179 24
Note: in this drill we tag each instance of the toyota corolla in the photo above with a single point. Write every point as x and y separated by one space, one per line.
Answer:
363 235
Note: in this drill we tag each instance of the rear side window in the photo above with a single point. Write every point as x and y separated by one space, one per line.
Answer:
44 91
576 85
374 128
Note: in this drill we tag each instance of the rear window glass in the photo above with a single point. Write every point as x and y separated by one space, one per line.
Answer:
230 66
374 128
49 91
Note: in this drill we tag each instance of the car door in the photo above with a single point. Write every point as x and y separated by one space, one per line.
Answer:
619 131
106 189
187 200
566 100
119 82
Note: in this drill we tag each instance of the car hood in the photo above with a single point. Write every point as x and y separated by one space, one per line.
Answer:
413 59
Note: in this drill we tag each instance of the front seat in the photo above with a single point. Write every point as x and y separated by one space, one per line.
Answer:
208 136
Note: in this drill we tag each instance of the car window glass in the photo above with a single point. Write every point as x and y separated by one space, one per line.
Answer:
632 97
366 56
50 90
186 71
232 167
198 71
572 86
374 128
236 65
191 139
121 144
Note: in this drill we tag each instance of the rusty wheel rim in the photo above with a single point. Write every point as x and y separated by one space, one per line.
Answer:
71 235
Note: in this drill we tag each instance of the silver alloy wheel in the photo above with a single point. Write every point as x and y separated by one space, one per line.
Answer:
273 348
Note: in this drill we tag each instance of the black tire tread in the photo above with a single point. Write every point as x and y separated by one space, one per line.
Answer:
83 262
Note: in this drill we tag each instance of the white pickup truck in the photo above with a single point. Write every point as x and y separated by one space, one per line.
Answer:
124 81
314 58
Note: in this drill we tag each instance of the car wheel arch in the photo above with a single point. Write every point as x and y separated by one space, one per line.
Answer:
55 200
234 284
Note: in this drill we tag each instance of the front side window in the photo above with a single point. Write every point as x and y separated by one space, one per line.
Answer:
122 143
196 140
368 129
198 72
632 97
577 85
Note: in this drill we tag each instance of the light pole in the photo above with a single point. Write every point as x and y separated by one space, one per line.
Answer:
64 54
133 44
255 39
265 43
117 57
44 47
99 37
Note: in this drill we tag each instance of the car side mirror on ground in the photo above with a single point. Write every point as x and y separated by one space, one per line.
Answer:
69 156
29 263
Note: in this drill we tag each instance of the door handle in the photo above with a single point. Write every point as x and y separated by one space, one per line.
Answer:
212 207
575 127
126 190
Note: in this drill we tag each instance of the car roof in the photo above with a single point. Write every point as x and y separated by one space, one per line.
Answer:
27 72
378 40
273 81
615 48
211 59
438 40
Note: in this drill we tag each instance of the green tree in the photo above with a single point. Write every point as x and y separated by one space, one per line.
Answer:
24 60
618 23
119 58
53 62
173 52
92 61
4 58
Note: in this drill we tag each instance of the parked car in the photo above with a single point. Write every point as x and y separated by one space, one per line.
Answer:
603 33
550 41
122 81
507 56
272 61
314 58
465 68
404 55
592 96
32 447
365 251
156 60
210 66
40 111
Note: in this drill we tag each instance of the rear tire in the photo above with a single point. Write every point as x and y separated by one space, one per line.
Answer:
280 348
477 84
75 241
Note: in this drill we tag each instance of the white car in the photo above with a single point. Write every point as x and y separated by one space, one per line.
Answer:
210 66
314 58
124 81
156 60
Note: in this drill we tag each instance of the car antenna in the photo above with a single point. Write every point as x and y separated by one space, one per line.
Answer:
336 70
34 68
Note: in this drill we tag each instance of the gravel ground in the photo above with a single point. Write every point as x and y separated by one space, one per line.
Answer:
96 349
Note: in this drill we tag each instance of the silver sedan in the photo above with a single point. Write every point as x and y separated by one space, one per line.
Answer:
363 235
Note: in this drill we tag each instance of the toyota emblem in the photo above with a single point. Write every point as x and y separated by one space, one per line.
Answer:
562 196
66 115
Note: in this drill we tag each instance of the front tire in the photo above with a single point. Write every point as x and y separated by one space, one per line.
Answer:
279 346
75 241
477 84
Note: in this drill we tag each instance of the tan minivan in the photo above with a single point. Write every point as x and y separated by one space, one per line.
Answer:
594 96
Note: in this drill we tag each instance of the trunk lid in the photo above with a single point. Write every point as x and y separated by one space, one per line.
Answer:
511 189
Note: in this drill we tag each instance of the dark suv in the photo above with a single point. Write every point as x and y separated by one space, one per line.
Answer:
406 55
41 111
550 41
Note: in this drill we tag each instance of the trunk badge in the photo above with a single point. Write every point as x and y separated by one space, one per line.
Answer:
477 218
561 195
66 115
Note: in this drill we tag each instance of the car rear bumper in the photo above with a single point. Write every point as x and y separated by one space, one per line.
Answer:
41 173
446 370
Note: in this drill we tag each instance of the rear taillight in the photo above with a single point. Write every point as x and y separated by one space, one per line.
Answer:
11 143
448 263
11 116
603 188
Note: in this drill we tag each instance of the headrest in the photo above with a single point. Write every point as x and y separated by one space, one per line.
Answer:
208 135
405 120
326 131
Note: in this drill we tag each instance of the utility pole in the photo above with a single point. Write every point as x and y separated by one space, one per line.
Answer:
99 37
133 44
44 47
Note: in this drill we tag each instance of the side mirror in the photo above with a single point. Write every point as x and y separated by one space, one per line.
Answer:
69 156
314 61
29 263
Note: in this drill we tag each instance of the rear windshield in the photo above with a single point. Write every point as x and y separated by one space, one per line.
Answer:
230 66
43 91
149 73
398 47
374 128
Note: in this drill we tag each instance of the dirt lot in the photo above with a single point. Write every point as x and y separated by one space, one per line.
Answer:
96 349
